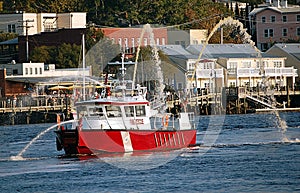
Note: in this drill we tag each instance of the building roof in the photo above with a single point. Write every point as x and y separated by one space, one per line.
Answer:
224 50
276 9
174 50
10 42
290 48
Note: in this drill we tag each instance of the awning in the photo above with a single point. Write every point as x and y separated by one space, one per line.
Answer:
59 88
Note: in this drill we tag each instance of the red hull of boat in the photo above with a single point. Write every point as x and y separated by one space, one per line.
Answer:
121 141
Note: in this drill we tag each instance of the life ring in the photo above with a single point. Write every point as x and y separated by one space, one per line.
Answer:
165 121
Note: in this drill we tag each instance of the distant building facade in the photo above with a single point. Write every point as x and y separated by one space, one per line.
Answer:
24 78
130 38
229 65
40 22
187 37
275 23
290 51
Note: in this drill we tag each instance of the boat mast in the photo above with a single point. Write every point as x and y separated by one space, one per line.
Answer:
83 64
123 86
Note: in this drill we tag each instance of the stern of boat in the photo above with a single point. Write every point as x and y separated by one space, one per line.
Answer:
67 139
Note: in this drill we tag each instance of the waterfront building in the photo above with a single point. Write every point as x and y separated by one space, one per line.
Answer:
228 65
31 78
291 51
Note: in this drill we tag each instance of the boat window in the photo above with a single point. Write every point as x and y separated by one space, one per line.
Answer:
140 111
129 111
82 111
96 111
113 111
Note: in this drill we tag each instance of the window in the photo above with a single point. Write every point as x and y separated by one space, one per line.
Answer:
263 19
11 28
113 111
126 42
207 65
271 33
284 32
232 84
140 111
26 70
273 18
284 18
157 41
232 67
133 44
298 31
246 64
129 111
126 45
120 42
298 18
49 26
163 41
258 64
277 64
30 70
36 71
268 33
113 40
145 42
41 71
266 64
96 111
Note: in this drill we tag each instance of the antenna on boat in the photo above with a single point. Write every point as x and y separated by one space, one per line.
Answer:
83 64
123 69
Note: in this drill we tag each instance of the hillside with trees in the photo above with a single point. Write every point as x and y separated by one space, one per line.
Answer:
179 14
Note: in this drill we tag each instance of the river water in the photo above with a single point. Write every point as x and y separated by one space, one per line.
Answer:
247 153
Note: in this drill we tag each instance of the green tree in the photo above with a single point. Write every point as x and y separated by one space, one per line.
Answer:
7 36
68 56
42 54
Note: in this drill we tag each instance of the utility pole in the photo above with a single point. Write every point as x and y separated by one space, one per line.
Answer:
26 26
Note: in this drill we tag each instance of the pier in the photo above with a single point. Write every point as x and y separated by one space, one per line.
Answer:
231 100
32 110
242 100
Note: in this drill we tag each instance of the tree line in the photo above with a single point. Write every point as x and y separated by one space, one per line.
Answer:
181 14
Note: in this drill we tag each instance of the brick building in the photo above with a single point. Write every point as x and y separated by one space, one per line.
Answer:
130 38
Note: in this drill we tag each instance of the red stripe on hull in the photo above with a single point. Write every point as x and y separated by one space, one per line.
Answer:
99 140
95 141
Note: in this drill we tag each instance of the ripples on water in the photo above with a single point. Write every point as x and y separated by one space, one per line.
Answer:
248 155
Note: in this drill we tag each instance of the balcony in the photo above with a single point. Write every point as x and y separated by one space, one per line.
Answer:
271 72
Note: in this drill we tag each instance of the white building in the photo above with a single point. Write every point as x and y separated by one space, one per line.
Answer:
228 65
41 70
41 22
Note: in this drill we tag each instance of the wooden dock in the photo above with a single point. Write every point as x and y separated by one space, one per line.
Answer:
32 109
